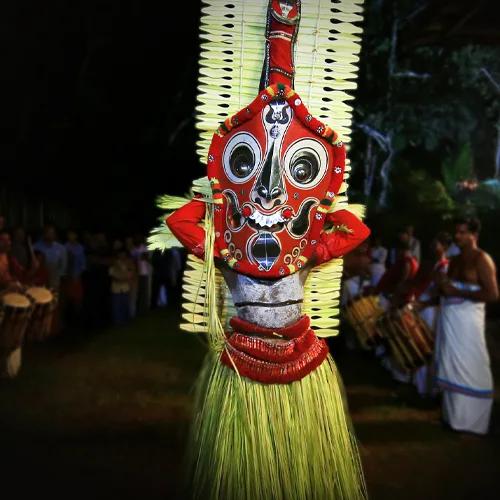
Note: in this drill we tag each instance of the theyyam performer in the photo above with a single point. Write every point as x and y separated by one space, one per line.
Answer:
266 233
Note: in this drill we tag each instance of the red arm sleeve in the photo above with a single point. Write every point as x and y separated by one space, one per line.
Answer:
184 224
338 243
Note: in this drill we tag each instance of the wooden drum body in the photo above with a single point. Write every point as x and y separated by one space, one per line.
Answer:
410 339
15 313
363 315
44 306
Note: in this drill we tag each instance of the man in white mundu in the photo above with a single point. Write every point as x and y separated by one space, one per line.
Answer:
463 363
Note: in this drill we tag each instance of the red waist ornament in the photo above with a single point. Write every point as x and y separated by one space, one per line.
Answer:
273 363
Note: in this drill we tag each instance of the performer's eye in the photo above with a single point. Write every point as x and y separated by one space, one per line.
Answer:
304 167
306 163
242 161
242 155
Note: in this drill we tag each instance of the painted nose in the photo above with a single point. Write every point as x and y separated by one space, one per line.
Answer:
276 192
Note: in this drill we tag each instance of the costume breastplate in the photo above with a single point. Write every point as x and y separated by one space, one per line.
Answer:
267 303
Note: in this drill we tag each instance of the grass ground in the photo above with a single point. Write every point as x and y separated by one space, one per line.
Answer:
104 415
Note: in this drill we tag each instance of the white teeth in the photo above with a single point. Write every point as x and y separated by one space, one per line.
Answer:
266 220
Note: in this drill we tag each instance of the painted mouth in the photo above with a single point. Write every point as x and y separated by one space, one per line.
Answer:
296 223
270 223
265 250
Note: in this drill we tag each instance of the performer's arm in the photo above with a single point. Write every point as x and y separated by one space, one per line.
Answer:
184 224
488 277
338 243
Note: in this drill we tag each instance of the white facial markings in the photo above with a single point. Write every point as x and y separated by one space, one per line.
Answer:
305 163
242 157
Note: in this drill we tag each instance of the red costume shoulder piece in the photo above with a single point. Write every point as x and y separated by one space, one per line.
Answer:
185 226
338 243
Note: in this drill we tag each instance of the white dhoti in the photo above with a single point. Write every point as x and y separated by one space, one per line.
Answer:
422 377
463 365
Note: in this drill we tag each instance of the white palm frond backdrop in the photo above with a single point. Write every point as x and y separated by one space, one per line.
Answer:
232 52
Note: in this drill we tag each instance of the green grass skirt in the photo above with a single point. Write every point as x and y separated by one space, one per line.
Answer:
272 441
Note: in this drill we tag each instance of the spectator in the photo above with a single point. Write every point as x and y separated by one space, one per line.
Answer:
356 272
134 284
40 273
21 247
55 256
121 275
414 242
139 247
453 250
6 278
378 255
396 283
145 282
402 238
77 264
11 272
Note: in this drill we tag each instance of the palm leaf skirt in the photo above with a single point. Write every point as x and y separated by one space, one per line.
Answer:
252 441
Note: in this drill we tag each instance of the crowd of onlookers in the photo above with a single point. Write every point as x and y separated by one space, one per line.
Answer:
98 279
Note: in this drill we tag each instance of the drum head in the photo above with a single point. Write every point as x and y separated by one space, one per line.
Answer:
13 299
40 295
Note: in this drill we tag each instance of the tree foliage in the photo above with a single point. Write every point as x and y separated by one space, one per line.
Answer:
436 100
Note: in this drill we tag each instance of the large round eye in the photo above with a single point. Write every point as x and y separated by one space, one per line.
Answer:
304 167
306 163
241 157
242 161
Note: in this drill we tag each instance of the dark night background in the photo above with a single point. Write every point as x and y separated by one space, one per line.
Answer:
98 105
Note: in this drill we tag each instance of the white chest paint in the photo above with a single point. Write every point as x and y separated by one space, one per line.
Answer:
268 303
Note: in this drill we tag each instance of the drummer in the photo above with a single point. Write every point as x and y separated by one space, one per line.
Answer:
356 276
356 273
11 272
395 286
425 289
426 292
395 290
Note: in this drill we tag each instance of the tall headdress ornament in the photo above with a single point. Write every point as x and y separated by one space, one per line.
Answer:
275 168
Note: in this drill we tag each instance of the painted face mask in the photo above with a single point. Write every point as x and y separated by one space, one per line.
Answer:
274 171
